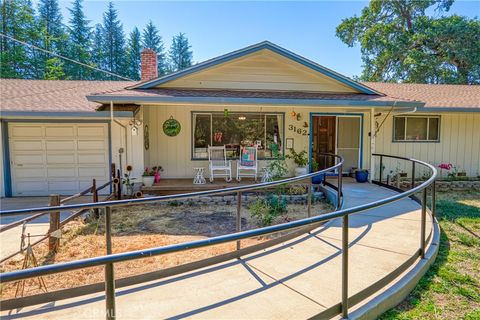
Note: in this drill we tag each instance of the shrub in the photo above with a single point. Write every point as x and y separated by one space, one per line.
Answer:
266 210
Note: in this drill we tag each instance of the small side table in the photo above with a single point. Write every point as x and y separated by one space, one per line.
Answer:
266 176
199 178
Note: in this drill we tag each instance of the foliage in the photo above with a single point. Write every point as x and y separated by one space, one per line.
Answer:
277 167
400 42
449 290
300 158
133 55
104 46
267 209
315 165
180 54
296 190
151 172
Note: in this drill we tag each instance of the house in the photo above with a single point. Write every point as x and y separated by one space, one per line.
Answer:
58 135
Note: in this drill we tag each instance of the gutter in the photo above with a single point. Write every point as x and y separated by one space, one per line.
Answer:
100 115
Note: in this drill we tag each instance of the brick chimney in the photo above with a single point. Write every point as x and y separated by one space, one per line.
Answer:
149 65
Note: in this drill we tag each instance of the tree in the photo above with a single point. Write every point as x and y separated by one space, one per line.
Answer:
180 54
97 52
52 34
114 41
133 55
152 40
17 21
399 42
54 69
80 34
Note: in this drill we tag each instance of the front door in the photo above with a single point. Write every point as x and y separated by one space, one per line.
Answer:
338 135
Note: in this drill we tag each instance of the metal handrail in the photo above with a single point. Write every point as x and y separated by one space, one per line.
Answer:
109 259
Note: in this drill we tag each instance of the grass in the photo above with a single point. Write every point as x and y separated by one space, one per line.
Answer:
451 287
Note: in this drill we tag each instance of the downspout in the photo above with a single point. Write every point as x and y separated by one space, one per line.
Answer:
372 144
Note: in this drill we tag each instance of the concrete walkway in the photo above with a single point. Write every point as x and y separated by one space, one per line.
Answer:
297 279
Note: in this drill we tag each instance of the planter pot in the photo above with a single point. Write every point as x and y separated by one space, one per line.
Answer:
403 174
300 171
461 174
361 176
317 179
148 181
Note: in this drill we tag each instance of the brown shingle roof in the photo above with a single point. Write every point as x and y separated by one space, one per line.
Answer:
53 95
434 95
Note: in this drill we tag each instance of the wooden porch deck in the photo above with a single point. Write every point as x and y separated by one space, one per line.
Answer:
177 186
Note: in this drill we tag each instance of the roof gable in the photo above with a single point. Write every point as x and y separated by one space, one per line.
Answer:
264 66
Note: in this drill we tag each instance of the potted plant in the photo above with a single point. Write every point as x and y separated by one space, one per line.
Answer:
318 179
301 160
148 177
361 175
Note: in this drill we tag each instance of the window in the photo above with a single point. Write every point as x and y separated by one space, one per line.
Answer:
235 129
416 128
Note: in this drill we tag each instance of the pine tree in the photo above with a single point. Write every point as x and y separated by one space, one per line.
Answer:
180 54
17 21
52 33
133 55
98 52
114 41
152 40
80 34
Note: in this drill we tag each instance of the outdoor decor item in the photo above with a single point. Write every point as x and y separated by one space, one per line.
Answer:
361 175
171 127
151 176
199 178
247 165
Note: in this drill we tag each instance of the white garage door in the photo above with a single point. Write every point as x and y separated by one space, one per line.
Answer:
57 158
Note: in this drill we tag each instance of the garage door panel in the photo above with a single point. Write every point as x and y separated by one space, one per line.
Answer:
91 131
59 131
30 173
60 159
31 159
91 158
26 131
63 186
28 145
33 188
57 158
59 172
91 145
92 172
60 145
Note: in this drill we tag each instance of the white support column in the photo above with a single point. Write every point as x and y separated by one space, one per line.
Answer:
372 143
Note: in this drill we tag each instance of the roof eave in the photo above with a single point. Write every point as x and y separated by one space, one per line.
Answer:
265 101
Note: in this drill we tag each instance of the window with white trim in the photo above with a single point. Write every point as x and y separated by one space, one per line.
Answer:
235 129
416 128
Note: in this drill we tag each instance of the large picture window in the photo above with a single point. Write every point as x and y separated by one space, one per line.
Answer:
236 129
416 128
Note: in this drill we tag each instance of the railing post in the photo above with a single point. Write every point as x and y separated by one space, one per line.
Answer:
413 175
109 272
95 198
423 223
381 170
434 204
239 215
54 241
309 199
345 267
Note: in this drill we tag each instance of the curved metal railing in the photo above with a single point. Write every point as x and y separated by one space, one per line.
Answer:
342 307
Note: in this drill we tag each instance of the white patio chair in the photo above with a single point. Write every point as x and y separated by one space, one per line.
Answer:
247 165
218 164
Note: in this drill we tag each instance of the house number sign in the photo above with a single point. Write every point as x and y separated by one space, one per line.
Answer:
300 131
171 127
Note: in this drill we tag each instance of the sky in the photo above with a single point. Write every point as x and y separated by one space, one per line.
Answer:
215 28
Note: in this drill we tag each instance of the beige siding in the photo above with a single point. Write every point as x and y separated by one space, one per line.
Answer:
174 153
263 70
459 143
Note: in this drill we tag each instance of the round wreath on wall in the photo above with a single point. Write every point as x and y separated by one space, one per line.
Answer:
171 127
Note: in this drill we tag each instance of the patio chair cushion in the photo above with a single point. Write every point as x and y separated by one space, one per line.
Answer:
247 158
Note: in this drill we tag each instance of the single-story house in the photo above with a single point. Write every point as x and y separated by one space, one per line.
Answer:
58 135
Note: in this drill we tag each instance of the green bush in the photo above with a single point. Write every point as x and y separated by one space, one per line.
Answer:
266 210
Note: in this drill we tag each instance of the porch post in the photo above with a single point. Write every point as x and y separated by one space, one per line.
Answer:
372 144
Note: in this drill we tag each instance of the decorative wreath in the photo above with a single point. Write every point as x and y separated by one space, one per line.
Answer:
171 127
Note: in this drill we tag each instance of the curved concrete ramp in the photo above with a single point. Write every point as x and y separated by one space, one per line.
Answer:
297 279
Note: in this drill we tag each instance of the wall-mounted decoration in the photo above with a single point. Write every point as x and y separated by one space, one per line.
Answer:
289 143
171 127
146 138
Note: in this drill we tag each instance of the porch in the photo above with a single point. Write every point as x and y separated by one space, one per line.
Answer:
177 186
